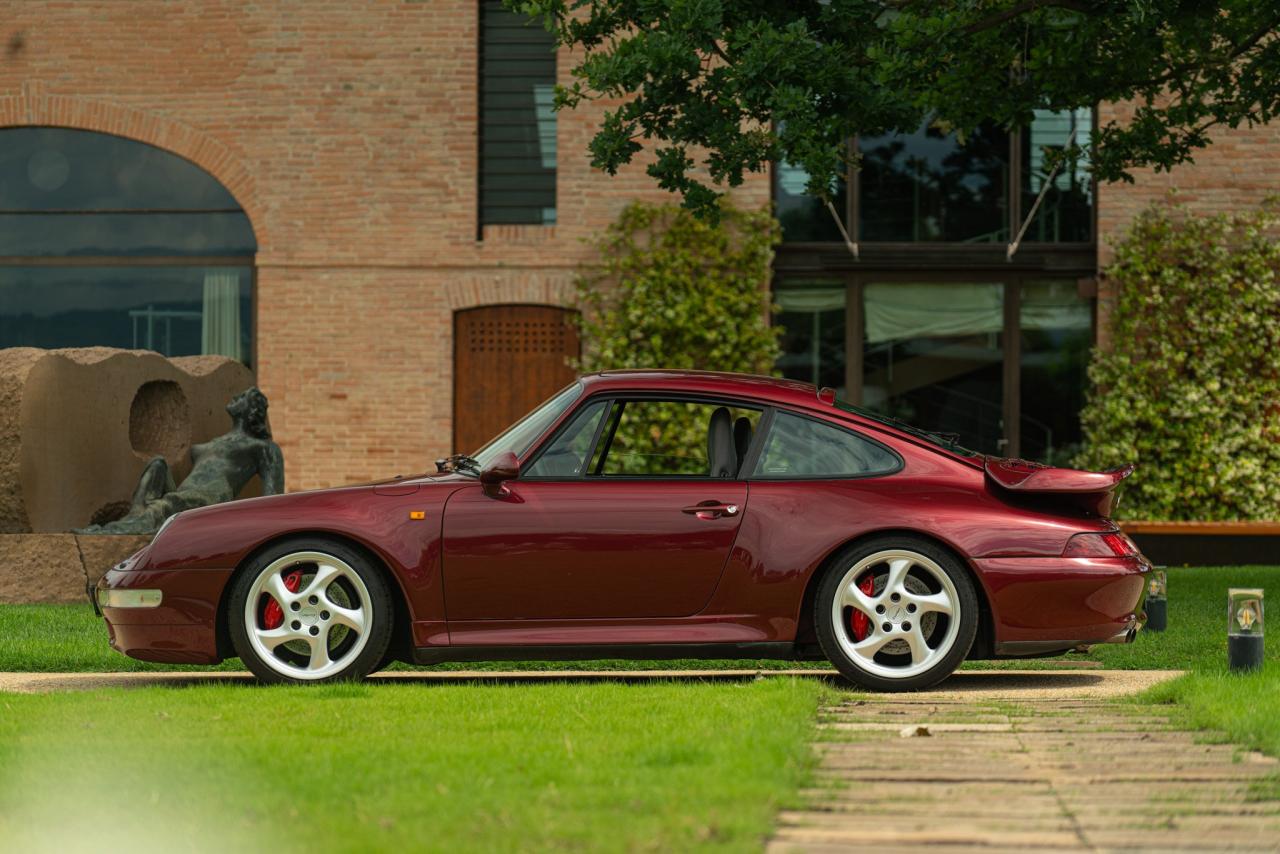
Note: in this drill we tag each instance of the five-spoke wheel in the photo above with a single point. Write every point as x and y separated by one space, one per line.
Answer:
896 614
310 611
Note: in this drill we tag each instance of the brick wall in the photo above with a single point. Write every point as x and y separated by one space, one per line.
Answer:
348 133
1235 173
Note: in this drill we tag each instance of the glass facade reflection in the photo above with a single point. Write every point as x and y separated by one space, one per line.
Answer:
927 186
934 357
1056 328
1065 214
80 212
805 218
812 316
935 354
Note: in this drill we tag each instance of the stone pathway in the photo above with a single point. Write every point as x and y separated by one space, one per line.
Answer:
1011 774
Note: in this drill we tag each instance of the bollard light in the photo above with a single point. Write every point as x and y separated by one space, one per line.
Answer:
1157 601
1245 628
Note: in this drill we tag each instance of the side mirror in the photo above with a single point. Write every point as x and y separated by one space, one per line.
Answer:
494 476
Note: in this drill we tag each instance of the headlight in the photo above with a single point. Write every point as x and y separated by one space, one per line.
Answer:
114 598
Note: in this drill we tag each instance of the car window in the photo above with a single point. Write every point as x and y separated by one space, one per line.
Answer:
802 447
519 437
665 438
566 456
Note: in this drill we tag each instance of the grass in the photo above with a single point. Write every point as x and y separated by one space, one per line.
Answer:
603 766
52 638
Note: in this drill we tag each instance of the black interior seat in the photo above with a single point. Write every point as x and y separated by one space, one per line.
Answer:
741 438
721 456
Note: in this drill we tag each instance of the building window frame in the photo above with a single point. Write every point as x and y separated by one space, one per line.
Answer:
486 8
889 251
1012 283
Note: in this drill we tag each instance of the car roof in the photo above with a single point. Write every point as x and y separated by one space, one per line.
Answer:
770 390
774 389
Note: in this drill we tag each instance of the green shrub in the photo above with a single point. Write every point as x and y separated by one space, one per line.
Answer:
1189 387
673 291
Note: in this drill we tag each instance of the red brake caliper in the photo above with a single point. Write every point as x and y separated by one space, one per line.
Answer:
861 623
273 614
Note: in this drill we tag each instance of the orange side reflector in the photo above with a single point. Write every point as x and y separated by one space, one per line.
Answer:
417 514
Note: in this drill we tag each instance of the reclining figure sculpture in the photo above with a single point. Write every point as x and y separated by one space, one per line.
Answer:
220 469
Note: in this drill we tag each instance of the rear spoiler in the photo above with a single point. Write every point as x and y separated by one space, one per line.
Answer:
1091 491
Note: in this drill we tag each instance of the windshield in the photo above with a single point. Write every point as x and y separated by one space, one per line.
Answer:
949 441
519 437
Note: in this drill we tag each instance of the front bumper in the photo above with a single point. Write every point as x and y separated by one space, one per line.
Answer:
181 628
1041 605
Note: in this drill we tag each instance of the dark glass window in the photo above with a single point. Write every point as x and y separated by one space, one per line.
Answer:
802 447
567 455
1056 328
1065 214
934 357
812 317
805 218
661 438
80 211
517 124
927 186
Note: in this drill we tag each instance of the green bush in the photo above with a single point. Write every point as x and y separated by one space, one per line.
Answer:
1189 387
672 291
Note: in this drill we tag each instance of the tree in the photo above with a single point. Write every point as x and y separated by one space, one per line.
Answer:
738 84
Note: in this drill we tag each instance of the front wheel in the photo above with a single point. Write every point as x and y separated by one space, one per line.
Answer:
896 614
311 610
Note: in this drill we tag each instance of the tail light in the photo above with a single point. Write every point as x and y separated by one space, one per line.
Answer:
1111 544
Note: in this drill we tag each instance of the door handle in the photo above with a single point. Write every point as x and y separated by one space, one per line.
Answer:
712 510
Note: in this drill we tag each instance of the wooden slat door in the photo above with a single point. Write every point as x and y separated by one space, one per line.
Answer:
506 360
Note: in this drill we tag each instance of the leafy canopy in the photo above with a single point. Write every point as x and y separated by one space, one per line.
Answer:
1190 385
720 88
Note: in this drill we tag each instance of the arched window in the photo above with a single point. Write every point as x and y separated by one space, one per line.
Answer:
111 242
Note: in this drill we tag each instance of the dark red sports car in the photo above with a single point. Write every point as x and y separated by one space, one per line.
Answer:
651 514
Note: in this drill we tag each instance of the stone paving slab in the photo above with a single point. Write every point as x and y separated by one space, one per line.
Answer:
1056 686
1086 774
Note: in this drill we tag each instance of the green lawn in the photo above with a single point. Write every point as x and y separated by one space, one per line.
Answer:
594 766
54 638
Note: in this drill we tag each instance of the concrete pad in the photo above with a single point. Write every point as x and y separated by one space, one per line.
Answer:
968 685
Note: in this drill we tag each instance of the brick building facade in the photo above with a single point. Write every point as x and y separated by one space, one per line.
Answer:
350 141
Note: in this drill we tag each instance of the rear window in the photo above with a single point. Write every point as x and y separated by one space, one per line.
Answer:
803 447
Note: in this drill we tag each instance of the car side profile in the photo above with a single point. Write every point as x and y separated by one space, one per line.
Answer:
651 514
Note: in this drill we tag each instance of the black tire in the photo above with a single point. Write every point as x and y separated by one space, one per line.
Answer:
380 611
825 621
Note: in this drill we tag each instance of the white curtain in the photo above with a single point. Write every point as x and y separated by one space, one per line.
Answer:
897 311
220 333
810 299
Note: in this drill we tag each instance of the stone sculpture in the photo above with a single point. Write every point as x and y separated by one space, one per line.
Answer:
220 469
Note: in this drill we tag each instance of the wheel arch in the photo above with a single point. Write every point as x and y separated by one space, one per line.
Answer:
402 626
983 643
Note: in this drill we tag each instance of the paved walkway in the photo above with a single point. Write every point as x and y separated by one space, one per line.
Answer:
970 684
1009 772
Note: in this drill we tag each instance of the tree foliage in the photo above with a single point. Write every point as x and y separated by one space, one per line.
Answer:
673 291
1190 387
728 86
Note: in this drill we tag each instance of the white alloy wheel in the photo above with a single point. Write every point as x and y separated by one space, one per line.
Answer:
325 621
912 614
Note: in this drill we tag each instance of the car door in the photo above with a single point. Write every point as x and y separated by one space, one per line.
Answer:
617 517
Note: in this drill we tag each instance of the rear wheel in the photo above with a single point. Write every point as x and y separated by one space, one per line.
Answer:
310 610
896 613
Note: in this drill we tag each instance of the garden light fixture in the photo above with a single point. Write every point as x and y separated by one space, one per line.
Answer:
1245 628
1157 601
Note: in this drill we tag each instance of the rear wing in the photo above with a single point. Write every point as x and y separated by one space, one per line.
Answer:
1091 491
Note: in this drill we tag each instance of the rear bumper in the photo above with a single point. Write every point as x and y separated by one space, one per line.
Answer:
181 630
1043 605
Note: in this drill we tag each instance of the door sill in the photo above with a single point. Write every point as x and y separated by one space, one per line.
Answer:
785 650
